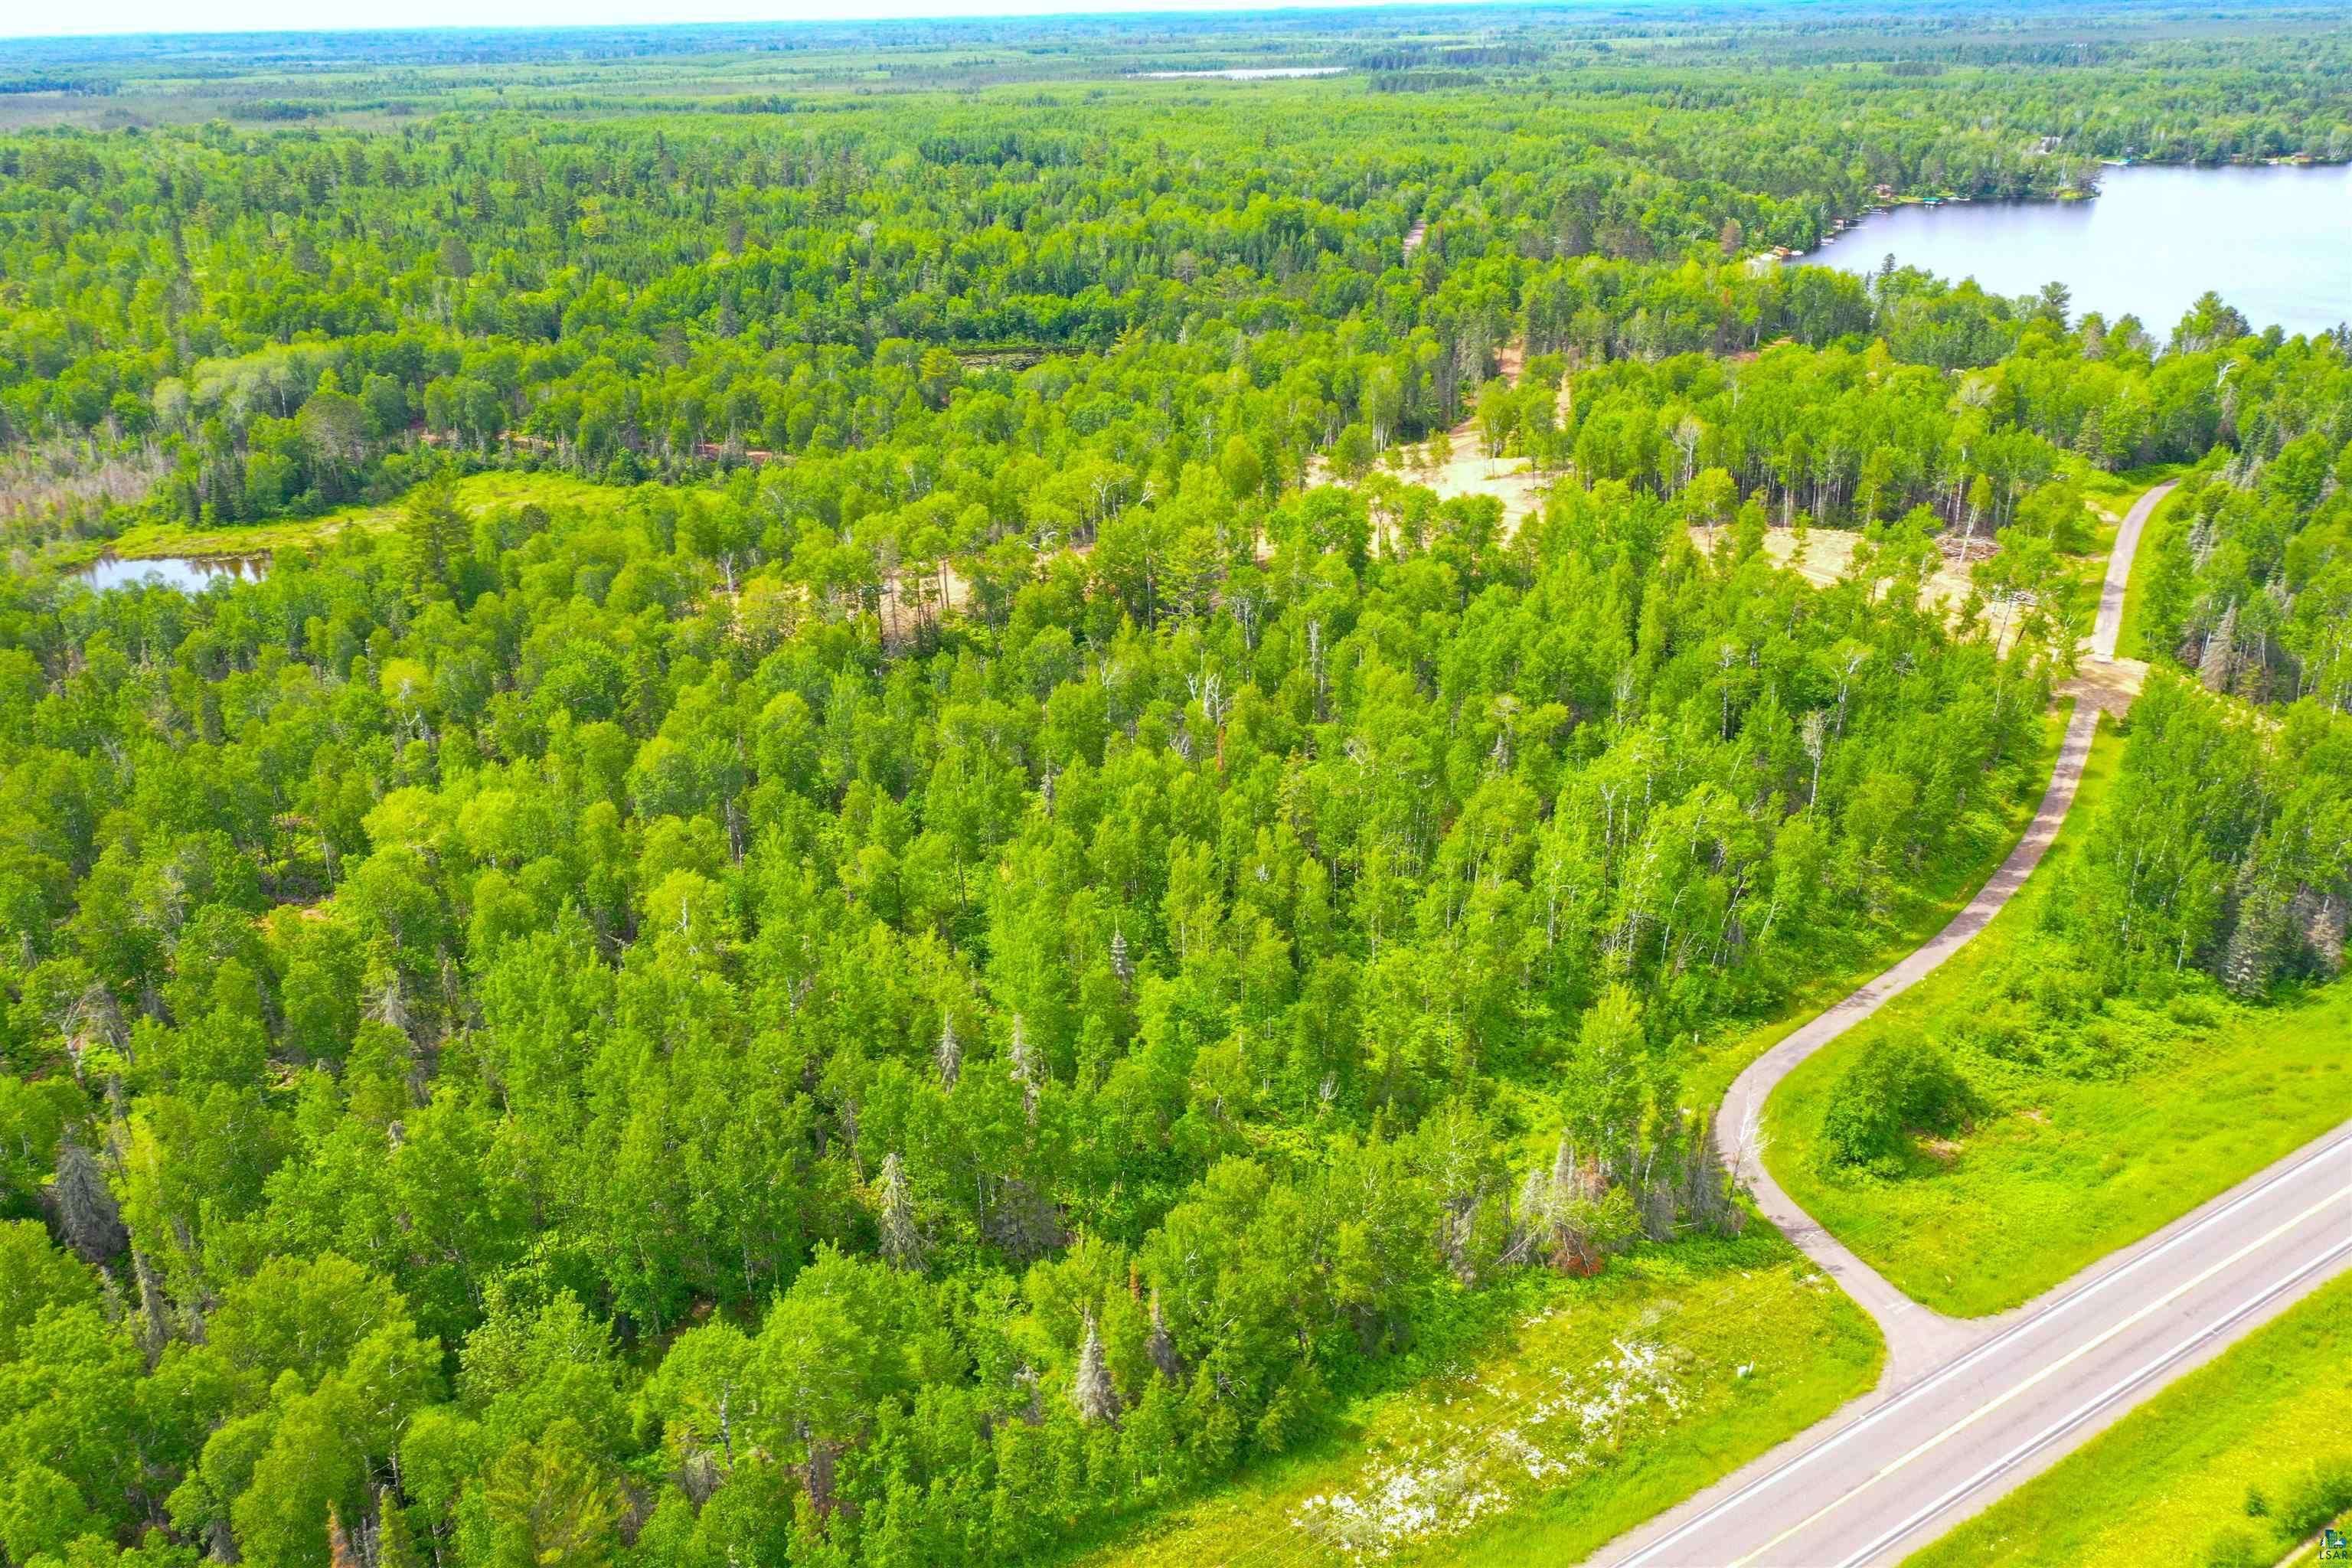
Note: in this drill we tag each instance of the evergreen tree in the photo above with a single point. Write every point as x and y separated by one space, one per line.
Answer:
1090 1385
2217 666
950 1055
902 1242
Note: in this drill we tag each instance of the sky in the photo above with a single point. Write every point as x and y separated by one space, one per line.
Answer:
32 18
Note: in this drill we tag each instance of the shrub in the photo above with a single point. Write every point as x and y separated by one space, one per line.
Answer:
2325 1491
2234 1548
1900 1082
2195 1010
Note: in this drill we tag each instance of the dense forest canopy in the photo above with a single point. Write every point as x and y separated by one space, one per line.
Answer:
929 938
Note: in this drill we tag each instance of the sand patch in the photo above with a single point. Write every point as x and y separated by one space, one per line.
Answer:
1516 482
1826 555
2109 684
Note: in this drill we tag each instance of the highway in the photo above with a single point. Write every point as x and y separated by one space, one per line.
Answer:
2013 1394
1969 1408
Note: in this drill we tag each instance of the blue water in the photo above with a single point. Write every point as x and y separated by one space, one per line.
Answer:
2274 242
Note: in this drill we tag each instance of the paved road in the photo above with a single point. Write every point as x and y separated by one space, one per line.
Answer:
1916 1338
1968 1409
2109 621
2014 1393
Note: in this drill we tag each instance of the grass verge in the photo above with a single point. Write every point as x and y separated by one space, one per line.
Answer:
2059 1169
2175 1480
1617 1397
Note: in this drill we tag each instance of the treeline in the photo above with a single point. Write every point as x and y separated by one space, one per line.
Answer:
288 430
2252 588
2226 848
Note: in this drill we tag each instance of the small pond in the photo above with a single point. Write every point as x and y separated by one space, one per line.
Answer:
189 573
2274 242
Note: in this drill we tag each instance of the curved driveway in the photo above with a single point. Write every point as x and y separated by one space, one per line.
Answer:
1968 1409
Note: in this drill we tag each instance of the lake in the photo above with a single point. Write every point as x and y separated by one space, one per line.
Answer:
189 573
1245 73
2274 242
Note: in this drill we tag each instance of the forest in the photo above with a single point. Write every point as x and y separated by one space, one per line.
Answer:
970 904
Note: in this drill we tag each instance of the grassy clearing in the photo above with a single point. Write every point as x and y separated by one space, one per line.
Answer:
2059 1169
2175 1477
1617 1397
2116 490
2063 1171
478 492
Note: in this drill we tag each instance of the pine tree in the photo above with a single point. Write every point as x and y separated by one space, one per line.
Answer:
436 539
902 1242
1708 1197
2220 658
395 1543
1154 1456
1161 1346
951 1052
557 1502
1654 1201
1024 1062
387 1004
87 1212
1090 1389
2250 955
154 1328
1571 1217
2325 933
93 1020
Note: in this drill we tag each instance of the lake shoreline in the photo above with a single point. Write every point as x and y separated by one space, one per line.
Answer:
2146 240
1846 223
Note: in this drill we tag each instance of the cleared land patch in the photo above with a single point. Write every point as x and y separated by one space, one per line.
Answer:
476 493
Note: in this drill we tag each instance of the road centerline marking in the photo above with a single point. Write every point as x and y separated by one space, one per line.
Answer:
2098 1402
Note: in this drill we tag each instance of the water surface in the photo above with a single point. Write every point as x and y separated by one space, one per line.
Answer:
1245 73
2274 242
189 573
